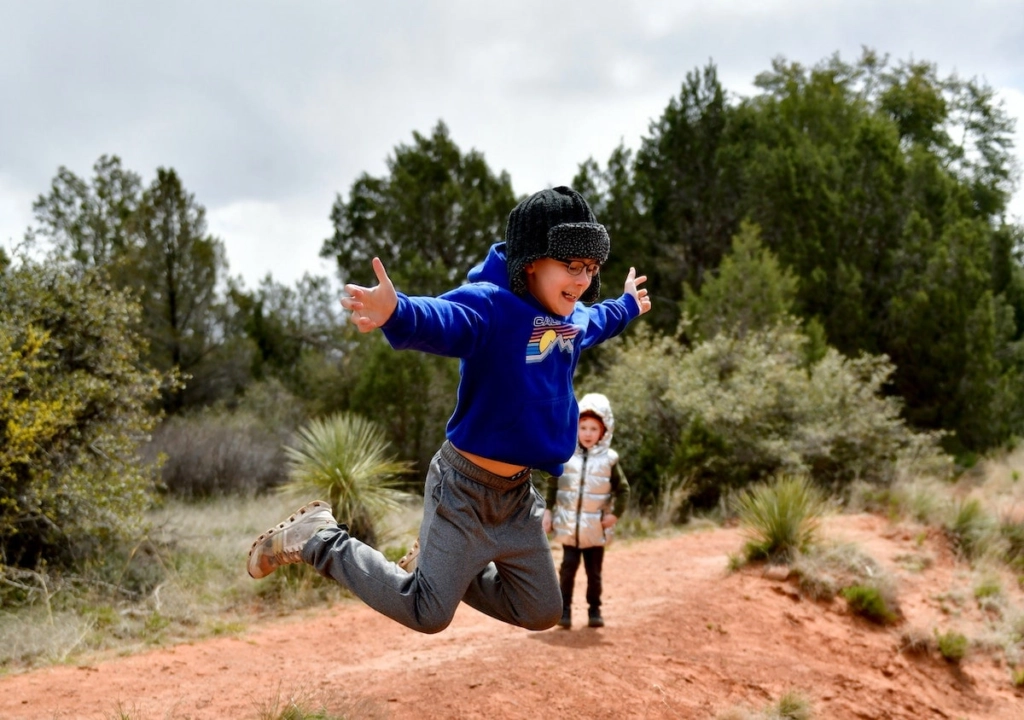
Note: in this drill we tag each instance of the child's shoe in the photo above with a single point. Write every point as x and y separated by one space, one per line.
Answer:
282 545
566 619
408 561
594 618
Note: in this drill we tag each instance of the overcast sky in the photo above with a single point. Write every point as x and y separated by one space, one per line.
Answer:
268 110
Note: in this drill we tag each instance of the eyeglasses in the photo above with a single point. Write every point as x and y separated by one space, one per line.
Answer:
576 267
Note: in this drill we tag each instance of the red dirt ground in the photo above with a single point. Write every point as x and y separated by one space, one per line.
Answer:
685 639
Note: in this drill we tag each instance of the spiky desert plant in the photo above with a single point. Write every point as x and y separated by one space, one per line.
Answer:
347 459
780 519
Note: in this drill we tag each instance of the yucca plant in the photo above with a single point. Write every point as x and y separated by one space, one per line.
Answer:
779 519
346 459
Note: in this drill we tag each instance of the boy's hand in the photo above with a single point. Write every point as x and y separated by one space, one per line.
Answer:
608 520
640 295
372 307
546 522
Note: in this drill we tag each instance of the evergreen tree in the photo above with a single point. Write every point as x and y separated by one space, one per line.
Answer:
430 219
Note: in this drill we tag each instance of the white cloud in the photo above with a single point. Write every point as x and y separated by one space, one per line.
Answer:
281 239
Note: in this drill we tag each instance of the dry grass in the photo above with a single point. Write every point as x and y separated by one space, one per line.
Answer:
792 705
200 549
306 704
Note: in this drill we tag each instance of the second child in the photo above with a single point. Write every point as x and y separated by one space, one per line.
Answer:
588 500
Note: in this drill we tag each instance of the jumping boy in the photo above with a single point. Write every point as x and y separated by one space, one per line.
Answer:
518 327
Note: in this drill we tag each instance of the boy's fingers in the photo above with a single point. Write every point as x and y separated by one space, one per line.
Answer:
631 274
641 279
380 272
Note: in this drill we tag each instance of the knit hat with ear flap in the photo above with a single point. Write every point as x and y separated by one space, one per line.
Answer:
555 223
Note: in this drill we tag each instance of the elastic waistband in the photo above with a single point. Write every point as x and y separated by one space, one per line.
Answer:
485 477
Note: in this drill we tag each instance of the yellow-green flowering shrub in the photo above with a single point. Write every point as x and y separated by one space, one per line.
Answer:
74 407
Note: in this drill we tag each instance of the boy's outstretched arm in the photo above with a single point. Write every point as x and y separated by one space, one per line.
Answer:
372 307
639 294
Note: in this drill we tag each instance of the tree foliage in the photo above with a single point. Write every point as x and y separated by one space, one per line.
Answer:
755 397
153 241
880 188
749 291
430 219
175 269
91 224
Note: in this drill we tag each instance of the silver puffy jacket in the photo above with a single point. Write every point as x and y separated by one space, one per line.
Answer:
585 487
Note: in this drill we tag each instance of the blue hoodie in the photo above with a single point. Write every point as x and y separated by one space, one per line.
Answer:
515 402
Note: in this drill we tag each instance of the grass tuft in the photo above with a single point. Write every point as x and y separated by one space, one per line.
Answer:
952 645
970 529
780 519
868 602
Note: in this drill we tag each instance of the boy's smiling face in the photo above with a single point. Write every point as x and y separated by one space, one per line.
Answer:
555 288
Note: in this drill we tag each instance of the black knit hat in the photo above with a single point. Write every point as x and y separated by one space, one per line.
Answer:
555 223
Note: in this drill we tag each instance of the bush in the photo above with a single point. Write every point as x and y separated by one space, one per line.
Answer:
952 645
218 451
734 410
74 409
214 454
869 603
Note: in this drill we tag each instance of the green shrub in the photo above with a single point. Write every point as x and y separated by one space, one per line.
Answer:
733 410
780 519
74 409
952 645
869 603
228 451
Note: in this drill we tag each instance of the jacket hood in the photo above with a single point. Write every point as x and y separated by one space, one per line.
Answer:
600 406
493 269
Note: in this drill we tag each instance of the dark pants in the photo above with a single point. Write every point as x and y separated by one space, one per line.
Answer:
593 558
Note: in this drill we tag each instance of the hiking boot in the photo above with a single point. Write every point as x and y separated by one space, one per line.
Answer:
282 545
594 619
408 561
566 619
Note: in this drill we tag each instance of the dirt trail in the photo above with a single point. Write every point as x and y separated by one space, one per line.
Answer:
685 639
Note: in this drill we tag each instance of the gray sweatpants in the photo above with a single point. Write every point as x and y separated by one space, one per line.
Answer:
481 542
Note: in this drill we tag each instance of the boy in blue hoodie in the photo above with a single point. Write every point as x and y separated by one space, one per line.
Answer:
518 327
